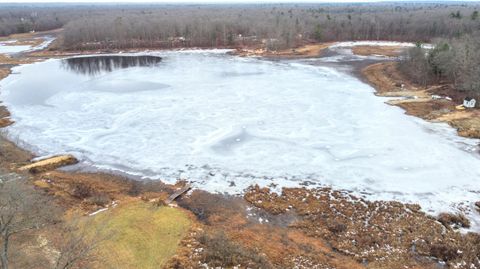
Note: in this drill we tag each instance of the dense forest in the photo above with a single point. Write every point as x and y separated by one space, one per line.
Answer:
277 26
453 60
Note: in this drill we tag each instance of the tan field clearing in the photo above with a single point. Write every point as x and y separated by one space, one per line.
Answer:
140 235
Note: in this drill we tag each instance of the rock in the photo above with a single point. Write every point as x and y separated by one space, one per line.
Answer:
477 206
49 164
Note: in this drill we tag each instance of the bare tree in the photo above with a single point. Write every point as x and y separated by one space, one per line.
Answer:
416 65
454 61
166 26
79 240
21 209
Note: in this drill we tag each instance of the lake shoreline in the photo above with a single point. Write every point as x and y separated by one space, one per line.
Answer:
436 103
297 213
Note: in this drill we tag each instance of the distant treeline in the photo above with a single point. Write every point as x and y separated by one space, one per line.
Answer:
276 26
23 18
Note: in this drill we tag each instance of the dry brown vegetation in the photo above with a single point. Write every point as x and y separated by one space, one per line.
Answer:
11 156
376 234
4 117
390 51
387 80
240 237
62 244
81 190
303 51
4 72
29 39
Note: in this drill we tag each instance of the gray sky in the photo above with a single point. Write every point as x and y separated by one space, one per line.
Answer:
180 1
191 1
210 1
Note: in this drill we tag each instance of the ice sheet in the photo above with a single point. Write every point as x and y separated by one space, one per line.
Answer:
226 122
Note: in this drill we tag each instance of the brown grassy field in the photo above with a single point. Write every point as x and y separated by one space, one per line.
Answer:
305 51
143 235
390 51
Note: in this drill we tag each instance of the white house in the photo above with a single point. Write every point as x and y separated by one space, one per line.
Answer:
469 102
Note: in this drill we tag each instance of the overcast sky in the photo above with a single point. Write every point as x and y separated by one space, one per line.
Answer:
218 1
203 1
185 1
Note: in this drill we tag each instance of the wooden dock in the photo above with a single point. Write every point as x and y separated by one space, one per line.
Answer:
177 193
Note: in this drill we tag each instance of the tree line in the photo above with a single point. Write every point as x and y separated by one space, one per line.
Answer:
452 60
277 26
274 25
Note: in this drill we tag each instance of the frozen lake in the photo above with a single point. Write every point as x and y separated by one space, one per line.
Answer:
226 122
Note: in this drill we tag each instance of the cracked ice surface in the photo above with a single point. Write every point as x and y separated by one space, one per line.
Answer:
228 122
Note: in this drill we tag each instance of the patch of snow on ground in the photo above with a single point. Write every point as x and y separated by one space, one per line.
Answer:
377 43
47 41
9 49
6 48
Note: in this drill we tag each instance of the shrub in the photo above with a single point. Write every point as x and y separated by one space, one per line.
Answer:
82 191
455 220
100 199
220 251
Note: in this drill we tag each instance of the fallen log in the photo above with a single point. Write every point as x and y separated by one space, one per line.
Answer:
48 164
177 193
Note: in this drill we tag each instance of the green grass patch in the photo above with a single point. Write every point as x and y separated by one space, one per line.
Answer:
143 235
